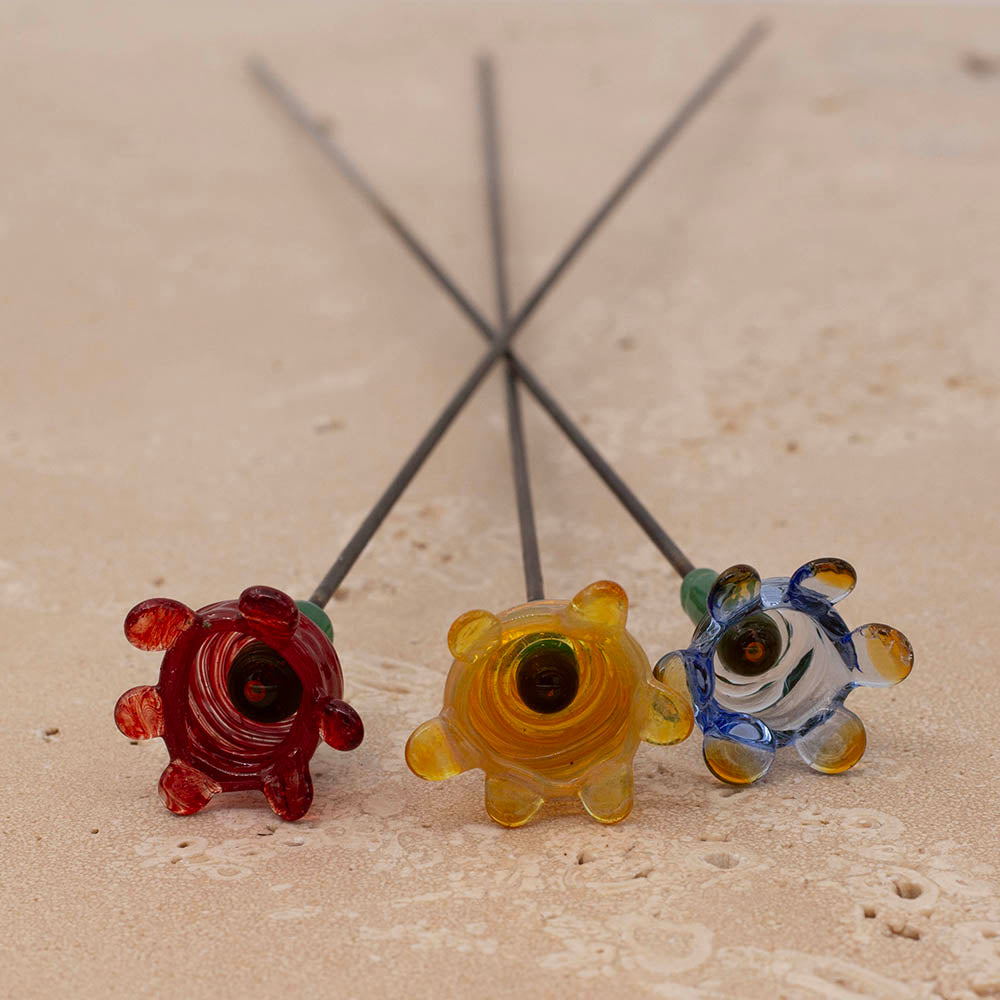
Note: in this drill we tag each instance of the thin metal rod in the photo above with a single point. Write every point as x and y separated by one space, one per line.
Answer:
335 575
300 114
530 556
700 96
726 66
494 193
640 513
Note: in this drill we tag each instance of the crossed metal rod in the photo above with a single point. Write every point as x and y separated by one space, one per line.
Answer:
501 339
530 556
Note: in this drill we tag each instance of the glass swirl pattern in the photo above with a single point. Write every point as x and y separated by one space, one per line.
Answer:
771 663
246 690
550 699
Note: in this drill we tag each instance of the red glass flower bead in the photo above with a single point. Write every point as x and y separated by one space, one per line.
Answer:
246 690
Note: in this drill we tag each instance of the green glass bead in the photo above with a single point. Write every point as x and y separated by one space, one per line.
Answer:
694 593
317 616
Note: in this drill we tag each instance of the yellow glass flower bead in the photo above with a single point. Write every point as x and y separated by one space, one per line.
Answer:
550 699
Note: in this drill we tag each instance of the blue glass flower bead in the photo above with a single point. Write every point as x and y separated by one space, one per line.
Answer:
771 662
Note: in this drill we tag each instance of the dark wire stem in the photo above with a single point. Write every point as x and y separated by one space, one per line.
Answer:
300 114
530 556
335 575
486 75
700 96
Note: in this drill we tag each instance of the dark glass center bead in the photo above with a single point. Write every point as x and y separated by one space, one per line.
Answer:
547 676
262 685
751 646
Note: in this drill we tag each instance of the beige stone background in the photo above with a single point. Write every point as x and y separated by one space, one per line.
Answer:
215 356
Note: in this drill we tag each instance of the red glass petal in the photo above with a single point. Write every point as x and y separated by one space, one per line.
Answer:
341 725
157 623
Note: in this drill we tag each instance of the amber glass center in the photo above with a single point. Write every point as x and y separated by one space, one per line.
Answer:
262 685
751 646
547 676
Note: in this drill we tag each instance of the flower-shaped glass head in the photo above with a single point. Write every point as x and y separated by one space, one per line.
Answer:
771 662
550 699
246 689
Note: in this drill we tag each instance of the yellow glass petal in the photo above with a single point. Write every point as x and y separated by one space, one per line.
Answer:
836 745
890 651
736 763
509 803
473 633
671 673
671 718
603 603
831 578
736 587
885 655
607 796
430 752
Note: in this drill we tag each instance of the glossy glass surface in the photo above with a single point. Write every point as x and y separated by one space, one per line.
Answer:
770 665
550 699
246 690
